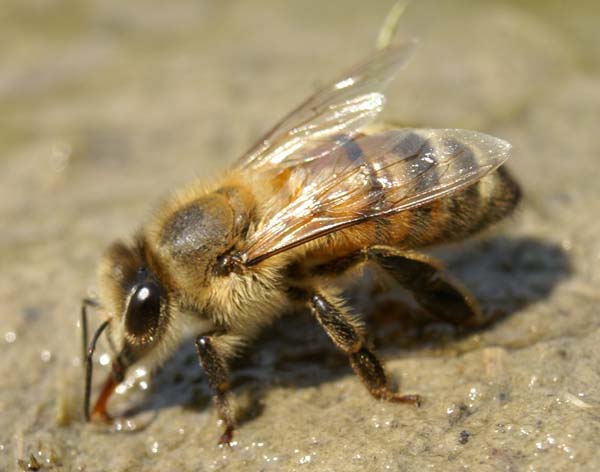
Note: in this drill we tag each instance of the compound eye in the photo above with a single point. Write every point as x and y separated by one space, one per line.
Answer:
143 312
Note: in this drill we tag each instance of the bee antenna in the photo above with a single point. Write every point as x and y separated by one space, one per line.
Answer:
85 303
88 368
390 24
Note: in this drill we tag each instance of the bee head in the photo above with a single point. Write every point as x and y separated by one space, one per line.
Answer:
132 293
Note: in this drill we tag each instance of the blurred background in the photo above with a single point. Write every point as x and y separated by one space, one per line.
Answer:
106 106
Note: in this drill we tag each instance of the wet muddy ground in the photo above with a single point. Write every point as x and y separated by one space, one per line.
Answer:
107 106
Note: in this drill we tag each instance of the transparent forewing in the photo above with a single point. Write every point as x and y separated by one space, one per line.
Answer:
343 107
373 176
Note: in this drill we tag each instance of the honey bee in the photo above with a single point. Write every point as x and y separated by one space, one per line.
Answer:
323 192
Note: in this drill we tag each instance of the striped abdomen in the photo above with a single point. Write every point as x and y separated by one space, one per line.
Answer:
463 214
402 175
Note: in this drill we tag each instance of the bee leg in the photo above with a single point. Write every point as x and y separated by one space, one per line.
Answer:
215 367
347 334
435 290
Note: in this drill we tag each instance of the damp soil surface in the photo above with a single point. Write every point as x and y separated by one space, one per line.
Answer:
106 106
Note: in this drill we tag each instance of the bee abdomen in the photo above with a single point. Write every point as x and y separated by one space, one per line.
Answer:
465 213
498 200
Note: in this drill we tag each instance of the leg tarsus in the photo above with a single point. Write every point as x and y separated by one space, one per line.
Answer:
227 436
393 397
370 370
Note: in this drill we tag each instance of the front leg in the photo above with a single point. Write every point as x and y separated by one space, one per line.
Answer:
211 349
347 334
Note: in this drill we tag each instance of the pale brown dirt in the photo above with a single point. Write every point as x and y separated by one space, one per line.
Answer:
106 106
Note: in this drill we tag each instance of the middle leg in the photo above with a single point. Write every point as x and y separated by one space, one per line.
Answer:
347 333
212 349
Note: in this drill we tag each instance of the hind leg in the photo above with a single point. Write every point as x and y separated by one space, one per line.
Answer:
434 289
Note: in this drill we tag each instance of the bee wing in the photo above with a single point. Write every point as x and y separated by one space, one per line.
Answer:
373 176
341 108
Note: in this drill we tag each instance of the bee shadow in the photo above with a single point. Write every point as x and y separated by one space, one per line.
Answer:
505 275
